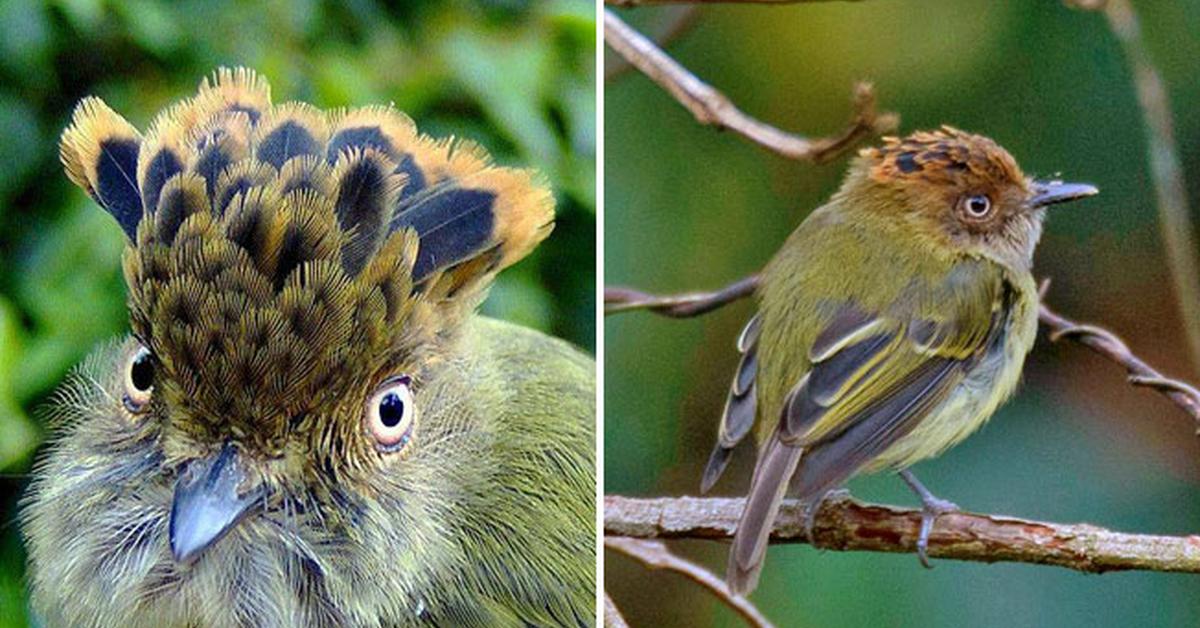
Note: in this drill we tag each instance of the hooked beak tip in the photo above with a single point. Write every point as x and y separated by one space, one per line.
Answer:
1054 192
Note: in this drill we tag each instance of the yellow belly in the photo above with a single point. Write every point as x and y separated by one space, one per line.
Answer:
970 405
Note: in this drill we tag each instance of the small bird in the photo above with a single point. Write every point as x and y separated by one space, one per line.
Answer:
310 425
890 326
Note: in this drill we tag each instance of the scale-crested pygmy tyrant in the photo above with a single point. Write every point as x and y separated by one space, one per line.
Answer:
310 426
892 324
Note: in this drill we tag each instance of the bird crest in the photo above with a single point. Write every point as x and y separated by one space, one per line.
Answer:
275 251
941 156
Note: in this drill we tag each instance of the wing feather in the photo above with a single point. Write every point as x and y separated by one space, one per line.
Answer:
740 407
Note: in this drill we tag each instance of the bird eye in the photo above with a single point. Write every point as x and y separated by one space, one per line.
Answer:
391 414
977 206
139 380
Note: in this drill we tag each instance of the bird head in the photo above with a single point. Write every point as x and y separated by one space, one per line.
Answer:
958 191
297 282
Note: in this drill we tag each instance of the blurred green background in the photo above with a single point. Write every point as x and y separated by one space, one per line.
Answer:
519 77
690 208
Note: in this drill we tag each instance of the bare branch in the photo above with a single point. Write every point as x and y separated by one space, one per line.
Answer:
711 107
845 524
654 554
1177 231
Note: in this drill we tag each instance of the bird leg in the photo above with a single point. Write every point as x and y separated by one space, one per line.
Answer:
931 508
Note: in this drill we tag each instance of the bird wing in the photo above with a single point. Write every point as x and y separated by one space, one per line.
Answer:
874 377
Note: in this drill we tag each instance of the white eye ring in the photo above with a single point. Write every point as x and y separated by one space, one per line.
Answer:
139 380
977 206
391 413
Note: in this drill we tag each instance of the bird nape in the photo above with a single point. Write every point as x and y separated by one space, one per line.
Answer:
310 425
891 325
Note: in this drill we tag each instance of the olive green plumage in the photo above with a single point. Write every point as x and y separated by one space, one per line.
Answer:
891 325
310 425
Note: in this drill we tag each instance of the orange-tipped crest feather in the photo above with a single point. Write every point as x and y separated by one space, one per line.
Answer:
250 222
939 156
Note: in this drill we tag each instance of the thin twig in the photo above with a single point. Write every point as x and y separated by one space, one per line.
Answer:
1098 339
676 25
1115 350
654 554
1166 172
711 107
846 524
612 615
620 299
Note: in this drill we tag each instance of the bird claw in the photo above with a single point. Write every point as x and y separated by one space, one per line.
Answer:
811 510
931 508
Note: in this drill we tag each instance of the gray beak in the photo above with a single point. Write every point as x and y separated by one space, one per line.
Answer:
1052 192
207 502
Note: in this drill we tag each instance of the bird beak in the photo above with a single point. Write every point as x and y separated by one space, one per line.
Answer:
209 503
1051 192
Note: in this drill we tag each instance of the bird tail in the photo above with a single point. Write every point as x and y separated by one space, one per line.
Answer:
771 477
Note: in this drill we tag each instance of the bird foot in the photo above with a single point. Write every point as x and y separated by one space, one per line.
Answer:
932 507
811 510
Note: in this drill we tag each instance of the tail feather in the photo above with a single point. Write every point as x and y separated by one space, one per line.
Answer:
771 477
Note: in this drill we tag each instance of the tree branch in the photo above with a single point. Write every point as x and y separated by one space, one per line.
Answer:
711 107
845 524
654 554
1098 339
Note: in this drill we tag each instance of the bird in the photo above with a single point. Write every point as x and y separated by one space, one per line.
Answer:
890 325
310 424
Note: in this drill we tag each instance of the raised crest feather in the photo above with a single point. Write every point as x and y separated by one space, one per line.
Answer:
100 153
246 204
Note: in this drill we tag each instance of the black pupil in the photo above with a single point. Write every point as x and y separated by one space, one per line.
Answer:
391 409
141 372
978 205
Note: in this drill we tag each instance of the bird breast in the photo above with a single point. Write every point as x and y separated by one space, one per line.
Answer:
974 400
